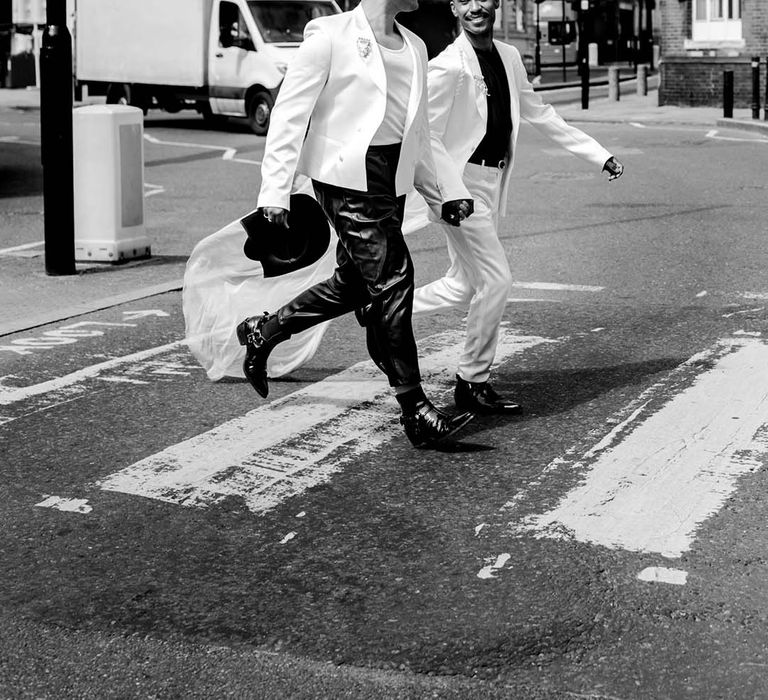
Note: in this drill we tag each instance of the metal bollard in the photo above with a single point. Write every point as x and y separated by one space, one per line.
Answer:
613 84
765 110
728 94
642 79
755 87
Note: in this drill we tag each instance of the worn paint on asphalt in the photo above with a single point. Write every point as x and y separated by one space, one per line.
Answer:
654 479
293 443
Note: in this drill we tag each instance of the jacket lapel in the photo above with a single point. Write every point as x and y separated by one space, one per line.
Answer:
514 91
417 83
368 50
475 75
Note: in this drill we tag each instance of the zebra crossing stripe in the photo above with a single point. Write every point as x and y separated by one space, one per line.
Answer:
289 445
654 479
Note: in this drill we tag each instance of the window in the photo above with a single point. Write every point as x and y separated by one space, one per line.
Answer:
511 16
717 20
284 22
233 30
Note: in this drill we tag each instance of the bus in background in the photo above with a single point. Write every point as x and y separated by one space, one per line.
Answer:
558 39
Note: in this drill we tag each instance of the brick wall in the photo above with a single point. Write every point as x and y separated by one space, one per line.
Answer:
695 82
687 79
755 26
675 26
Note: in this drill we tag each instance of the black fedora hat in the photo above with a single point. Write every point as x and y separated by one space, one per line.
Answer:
281 250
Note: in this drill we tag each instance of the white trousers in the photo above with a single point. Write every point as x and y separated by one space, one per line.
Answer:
479 276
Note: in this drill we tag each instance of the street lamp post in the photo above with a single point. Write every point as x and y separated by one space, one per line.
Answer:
56 104
584 52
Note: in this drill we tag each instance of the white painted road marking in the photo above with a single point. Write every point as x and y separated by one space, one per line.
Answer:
14 250
72 505
144 313
653 480
62 389
715 135
489 570
228 152
554 286
284 447
660 574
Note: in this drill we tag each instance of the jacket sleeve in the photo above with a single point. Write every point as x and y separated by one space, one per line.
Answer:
551 124
443 83
437 178
307 74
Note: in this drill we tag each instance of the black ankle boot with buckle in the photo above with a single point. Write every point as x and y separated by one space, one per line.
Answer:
425 426
259 334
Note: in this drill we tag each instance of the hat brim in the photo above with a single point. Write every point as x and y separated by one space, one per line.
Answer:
282 250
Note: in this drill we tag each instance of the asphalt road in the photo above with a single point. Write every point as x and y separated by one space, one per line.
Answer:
165 536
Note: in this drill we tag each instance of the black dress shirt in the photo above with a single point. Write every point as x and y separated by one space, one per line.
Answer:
498 128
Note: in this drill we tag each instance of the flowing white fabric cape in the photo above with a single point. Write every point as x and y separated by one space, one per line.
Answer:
222 287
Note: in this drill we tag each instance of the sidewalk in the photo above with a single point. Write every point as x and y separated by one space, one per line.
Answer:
30 298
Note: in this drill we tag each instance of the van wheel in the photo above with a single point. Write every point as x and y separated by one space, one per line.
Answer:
259 111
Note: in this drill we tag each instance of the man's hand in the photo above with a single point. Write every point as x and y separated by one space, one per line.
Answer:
455 211
276 215
613 168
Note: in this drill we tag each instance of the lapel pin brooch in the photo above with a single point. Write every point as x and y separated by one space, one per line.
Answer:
364 47
480 84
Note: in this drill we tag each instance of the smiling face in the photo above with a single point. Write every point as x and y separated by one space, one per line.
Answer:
476 16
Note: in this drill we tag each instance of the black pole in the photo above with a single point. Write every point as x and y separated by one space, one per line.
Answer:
765 104
728 94
584 53
649 29
537 66
56 141
755 87
563 45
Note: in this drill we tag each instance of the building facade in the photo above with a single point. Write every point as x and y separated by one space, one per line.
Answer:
700 39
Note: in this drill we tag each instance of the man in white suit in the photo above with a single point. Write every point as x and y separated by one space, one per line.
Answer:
478 93
351 115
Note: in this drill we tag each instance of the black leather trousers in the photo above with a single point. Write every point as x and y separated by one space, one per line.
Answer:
373 267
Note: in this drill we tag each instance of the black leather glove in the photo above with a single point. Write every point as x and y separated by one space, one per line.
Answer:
614 168
455 211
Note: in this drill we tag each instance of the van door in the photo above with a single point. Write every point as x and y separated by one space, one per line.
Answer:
234 59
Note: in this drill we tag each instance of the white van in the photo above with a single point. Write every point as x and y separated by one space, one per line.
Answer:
220 57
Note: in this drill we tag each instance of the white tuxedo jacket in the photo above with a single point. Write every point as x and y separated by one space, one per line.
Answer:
331 104
458 111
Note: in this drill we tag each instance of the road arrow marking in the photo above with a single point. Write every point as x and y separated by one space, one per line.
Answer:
133 315
282 448
62 388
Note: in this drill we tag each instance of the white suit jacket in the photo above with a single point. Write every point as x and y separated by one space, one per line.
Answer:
329 107
458 112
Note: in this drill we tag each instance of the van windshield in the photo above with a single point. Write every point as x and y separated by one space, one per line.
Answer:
280 21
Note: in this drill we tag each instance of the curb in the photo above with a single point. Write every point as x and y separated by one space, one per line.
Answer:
89 307
744 124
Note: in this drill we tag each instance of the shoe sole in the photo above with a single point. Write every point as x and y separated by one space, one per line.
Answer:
458 426
490 411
